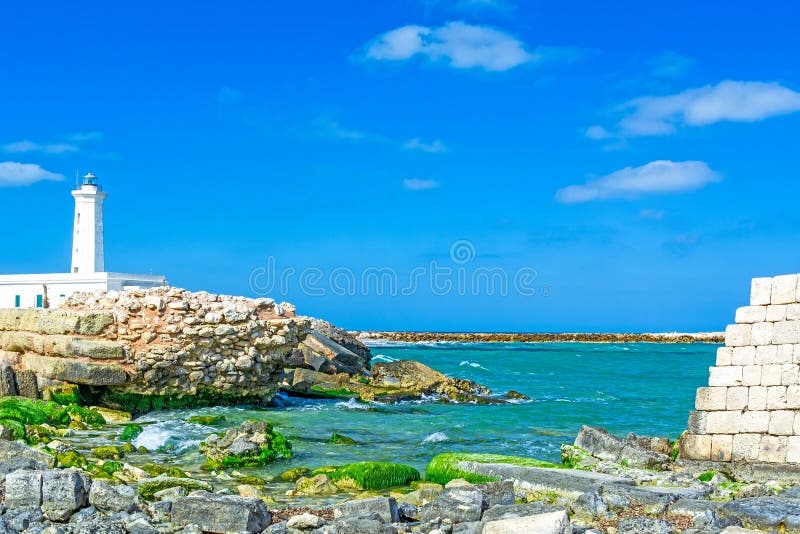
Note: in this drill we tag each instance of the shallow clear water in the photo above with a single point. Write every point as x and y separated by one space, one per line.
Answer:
641 387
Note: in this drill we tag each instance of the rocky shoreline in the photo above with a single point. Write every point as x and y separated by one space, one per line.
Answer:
489 337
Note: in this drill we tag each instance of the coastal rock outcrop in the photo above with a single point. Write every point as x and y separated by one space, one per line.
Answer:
166 342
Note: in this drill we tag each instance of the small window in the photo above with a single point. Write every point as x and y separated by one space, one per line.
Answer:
74 269
39 301
17 301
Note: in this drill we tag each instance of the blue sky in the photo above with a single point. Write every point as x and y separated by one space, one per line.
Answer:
631 164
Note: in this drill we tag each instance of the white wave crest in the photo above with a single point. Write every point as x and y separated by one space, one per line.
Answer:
158 435
352 404
436 437
383 358
472 364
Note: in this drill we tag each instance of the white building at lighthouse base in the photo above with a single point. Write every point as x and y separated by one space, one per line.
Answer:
33 290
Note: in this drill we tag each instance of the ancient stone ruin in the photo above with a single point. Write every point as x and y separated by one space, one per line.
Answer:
750 410
167 342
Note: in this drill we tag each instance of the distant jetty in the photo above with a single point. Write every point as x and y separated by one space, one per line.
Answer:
488 337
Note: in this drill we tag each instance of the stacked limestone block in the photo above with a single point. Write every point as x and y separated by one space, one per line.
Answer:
750 410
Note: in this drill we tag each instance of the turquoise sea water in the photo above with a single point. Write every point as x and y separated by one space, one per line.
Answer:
642 388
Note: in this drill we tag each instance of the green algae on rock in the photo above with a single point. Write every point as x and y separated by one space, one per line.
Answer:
444 467
130 431
108 453
207 420
251 444
370 475
294 474
339 439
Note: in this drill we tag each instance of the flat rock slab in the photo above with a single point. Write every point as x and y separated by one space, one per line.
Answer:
549 523
647 495
694 506
221 513
540 478
765 512
76 372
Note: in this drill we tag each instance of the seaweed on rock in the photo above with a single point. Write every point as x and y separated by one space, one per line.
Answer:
444 467
371 475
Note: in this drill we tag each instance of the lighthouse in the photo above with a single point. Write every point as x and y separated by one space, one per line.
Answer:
87 233
88 270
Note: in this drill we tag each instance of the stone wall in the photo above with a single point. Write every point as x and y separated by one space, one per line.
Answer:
163 341
750 410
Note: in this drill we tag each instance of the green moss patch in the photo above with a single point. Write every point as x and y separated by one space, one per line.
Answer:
27 417
707 476
207 420
155 470
138 404
442 468
339 439
130 431
17 428
65 394
372 475
294 474
108 453
274 446
71 459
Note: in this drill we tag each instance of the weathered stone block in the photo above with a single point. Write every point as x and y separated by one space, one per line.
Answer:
746 447
771 375
781 423
8 382
63 493
754 422
737 335
547 523
385 507
767 355
711 398
785 354
697 422
751 375
793 450
743 356
761 333
793 312
751 314
76 372
757 399
776 312
721 447
790 374
773 449
737 398
221 513
726 422
776 398
695 447
108 498
784 289
760 291
23 488
724 355
793 397
725 376
75 347
786 332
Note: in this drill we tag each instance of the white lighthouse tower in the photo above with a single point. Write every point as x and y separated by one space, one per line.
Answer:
87 234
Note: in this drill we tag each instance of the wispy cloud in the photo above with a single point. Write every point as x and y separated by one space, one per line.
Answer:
13 173
417 184
670 65
598 133
27 145
460 45
656 177
433 147
727 101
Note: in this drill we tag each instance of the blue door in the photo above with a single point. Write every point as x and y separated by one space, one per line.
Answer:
17 301
39 301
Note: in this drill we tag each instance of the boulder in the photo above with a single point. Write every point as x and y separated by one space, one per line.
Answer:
638 525
316 485
19 463
419 378
108 498
27 384
305 522
63 493
23 489
14 450
630 451
323 354
765 512
509 511
385 507
75 371
221 513
456 505
8 382
251 444
369 524
548 523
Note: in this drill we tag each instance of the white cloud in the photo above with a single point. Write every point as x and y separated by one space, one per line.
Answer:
461 45
417 184
656 177
597 132
29 146
13 173
434 147
728 100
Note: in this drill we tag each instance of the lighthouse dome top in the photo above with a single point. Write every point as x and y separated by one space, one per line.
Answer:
89 179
